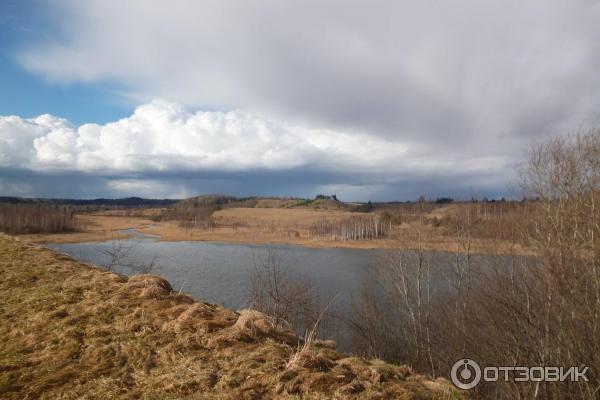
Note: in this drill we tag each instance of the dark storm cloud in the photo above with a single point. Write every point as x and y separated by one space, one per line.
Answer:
294 183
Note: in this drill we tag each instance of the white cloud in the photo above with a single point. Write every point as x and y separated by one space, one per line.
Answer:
163 136
149 188
478 72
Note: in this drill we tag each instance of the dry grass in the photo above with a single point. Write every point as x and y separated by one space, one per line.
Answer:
147 213
280 217
282 225
70 330
278 202
274 225
93 228
291 226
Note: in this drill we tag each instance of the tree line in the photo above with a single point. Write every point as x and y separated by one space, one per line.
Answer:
24 218
356 227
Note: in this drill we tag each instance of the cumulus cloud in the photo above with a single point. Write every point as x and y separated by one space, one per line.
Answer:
164 148
166 137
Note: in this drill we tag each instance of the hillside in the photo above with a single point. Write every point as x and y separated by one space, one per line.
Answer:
71 330
213 202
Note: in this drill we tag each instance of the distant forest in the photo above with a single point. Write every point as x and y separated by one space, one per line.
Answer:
125 202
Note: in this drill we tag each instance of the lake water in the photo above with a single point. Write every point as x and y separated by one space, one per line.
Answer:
221 272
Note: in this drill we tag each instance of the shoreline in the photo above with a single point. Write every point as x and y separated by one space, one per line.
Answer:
102 228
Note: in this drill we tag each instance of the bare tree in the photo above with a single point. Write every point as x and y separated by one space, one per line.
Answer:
358 227
291 300
117 254
36 218
121 254
510 310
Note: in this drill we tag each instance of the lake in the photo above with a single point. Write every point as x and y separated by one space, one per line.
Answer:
221 272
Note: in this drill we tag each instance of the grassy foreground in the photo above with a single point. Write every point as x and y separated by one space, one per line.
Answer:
70 330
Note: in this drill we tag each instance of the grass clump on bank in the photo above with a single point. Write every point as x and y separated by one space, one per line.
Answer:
72 330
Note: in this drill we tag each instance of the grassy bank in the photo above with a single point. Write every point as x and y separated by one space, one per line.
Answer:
71 330
264 225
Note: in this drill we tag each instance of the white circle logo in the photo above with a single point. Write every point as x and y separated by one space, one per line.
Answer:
465 374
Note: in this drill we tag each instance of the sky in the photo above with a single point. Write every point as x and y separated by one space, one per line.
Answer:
371 100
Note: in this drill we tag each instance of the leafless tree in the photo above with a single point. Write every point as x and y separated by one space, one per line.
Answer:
290 299
358 227
116 254
36 218
511 310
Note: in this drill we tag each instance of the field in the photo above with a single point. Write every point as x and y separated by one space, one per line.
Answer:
92 228
72 330
288 226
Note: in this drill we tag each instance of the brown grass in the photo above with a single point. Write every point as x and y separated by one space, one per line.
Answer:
292 225
280 217
280 225
93 228
70 330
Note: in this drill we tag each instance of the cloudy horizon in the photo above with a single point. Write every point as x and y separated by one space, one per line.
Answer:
370 101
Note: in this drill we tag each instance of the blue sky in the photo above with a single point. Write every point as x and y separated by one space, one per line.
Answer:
369 100
27 94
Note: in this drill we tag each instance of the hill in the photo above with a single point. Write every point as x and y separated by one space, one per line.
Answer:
72 330
219 201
